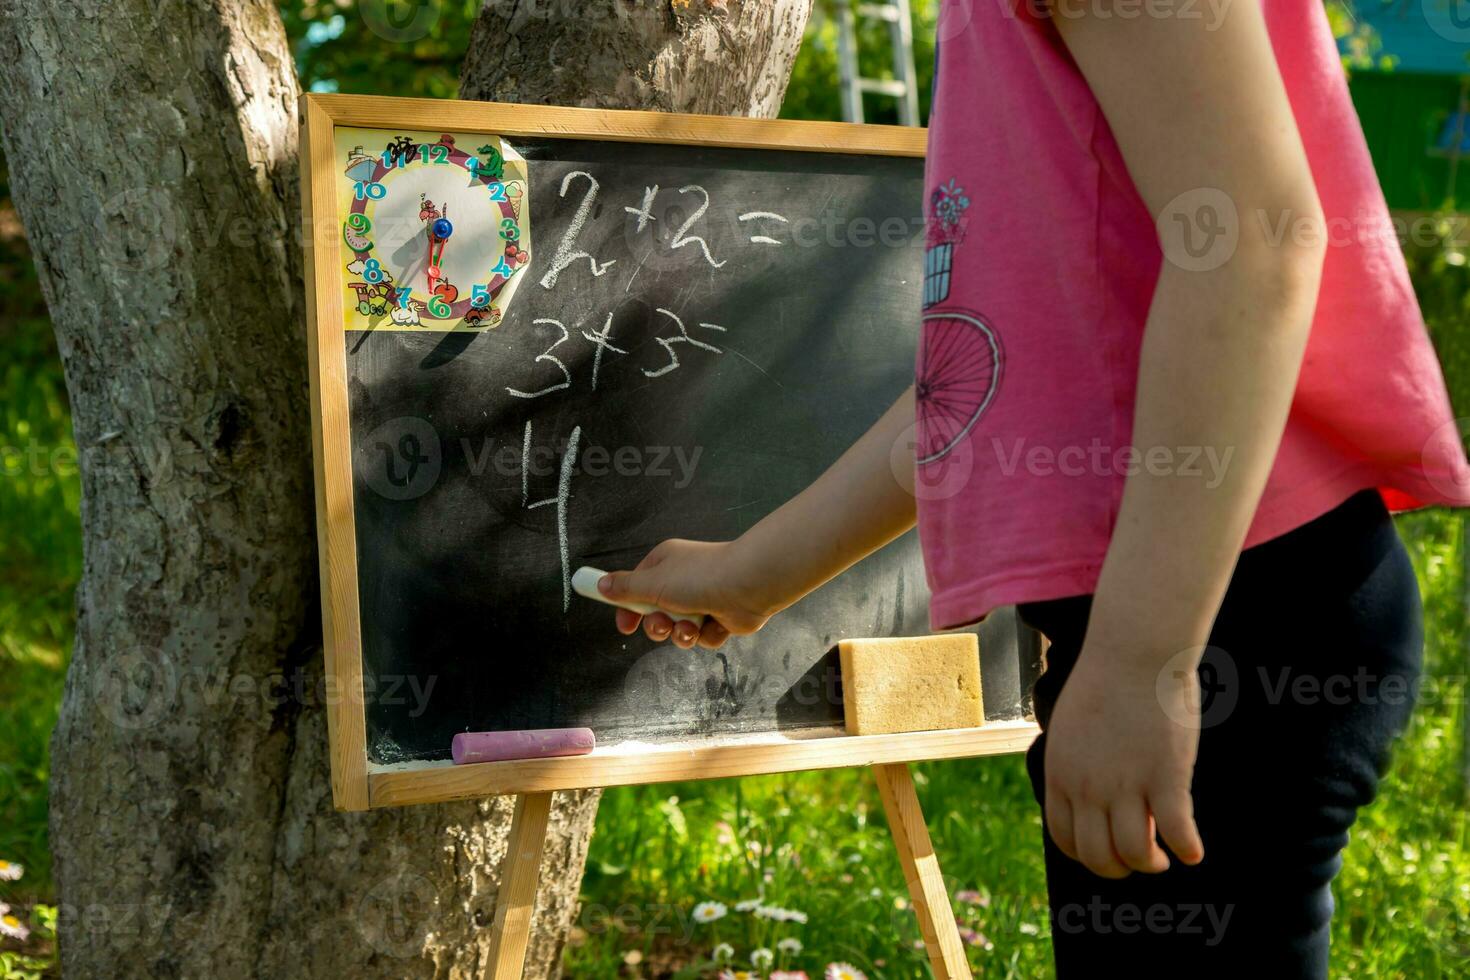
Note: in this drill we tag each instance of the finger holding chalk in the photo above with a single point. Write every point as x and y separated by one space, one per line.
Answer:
682 628
627 621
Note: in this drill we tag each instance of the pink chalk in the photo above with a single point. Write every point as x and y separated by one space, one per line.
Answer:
539 743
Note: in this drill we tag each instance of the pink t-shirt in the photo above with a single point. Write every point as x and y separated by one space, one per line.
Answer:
1040 266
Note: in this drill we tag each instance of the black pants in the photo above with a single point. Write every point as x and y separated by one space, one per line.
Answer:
1311 675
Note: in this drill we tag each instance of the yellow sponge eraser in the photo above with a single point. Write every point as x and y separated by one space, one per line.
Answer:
911 683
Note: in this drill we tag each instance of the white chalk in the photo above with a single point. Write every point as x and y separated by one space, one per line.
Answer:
584 583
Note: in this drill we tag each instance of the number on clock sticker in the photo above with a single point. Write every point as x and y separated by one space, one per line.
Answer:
432 232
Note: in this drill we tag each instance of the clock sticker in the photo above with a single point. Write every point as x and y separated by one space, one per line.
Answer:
436 229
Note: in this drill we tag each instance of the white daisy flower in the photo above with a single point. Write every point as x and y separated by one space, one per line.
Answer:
844 971
9 871
13 927
762 958
1030 928
790 945
748 905
709 912
723 953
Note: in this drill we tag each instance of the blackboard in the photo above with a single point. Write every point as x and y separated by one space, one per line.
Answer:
713 369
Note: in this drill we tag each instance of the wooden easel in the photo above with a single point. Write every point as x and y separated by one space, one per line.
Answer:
519 873
522 866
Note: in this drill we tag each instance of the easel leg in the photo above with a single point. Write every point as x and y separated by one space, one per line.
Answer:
517 900
921 869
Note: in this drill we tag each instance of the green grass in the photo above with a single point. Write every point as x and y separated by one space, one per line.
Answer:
1404 893
816 843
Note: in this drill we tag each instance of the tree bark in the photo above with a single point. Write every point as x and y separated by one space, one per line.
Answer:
153 160
721 57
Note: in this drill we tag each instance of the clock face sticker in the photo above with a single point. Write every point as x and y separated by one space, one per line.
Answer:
436 229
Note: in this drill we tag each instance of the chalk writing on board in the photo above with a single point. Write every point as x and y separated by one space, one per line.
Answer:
763 216
601 342
683 338
682 238
561 501
548 356
567 251
645 212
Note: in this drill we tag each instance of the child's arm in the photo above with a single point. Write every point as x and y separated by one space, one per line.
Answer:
1202 118
862 502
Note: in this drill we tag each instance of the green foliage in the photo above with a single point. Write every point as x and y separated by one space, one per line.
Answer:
380 47
813 91
1438 252
40 552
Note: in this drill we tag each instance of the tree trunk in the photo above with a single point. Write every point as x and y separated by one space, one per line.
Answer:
722 57
153 160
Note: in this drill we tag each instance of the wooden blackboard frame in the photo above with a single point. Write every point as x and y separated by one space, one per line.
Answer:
356 783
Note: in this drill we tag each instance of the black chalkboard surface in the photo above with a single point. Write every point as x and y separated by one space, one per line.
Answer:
754 314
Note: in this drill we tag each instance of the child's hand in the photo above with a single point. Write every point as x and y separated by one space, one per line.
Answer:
691 577
1119 764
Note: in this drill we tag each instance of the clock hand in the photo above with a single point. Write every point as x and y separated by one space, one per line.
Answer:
439 233
430 215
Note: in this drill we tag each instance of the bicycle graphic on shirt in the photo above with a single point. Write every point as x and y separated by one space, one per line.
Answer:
958 373
959 360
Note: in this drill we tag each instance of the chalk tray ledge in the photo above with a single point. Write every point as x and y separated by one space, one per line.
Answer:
627 763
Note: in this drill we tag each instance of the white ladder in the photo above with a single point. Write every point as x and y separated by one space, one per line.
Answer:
903 85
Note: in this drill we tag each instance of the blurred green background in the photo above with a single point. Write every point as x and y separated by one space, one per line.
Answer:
815 843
